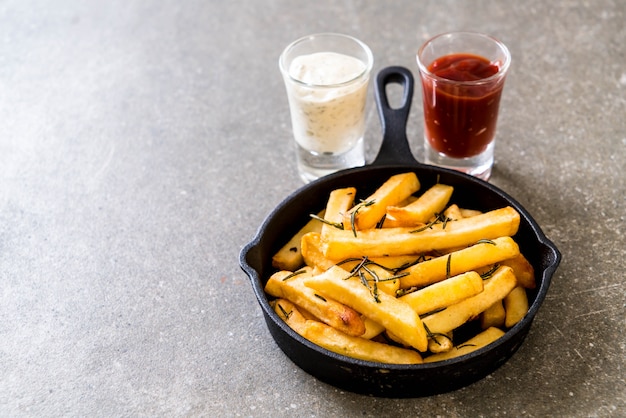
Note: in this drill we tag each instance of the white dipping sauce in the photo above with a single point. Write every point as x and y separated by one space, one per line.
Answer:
328 106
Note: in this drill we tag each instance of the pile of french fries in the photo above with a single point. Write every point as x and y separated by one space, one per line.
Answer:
392 278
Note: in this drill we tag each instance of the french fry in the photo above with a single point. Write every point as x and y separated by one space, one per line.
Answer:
312 252
407 201
440 343
396 339
393 191
515 306
290 286
396 316
356 347
493 316
523 270
306 314
430 203
372 328
402 241
398 262
496 288
379 276
445 293
468 213
453 212
313 256
339 203
289 256
479 341
391 222
457 262
290 314
338 342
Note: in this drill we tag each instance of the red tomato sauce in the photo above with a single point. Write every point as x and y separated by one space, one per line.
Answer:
460 119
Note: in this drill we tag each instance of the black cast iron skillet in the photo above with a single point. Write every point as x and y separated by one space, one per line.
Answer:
394 157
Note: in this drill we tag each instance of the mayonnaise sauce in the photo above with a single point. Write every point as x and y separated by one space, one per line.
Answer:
328 105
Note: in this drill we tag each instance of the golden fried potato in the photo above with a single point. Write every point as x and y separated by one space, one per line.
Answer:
515 306
372 328
444 293
493 317
432 202
440 343
290 286
402 241
496 288
356 347
290 314
395 315
289 256
368 214
523 270
313 256
453 212
479 341
339 203
340 343
467 259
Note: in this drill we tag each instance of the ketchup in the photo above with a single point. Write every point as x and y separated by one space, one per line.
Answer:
460 118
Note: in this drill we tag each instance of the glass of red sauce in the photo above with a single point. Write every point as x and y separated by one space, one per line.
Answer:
462 76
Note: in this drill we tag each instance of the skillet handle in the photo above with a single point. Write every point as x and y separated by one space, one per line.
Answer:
395 146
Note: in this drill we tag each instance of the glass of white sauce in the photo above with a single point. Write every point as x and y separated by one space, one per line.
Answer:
326 76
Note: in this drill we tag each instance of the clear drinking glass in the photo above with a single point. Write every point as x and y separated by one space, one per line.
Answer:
462 76
326 76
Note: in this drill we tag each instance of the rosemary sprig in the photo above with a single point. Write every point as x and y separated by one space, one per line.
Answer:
458 347
485 241
439 218
284 312
371 272
320 297
445 221
394 270
295 273
433 336
405 291
373 288
356 209
418 260
395 277
348 260
364 265
424 315
490 272
358 267
448 262
362 270
327 222
357 271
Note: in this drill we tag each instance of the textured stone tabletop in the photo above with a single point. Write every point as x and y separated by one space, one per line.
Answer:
143 143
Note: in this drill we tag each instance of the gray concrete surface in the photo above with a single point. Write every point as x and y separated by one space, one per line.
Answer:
143 143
